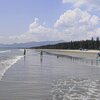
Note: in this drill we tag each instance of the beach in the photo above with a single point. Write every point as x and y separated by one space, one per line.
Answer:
76 53
55 75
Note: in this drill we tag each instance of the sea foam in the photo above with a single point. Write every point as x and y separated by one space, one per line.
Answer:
5 51
5 65
75 89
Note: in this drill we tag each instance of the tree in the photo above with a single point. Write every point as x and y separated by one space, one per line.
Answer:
84 44
92 43
97 43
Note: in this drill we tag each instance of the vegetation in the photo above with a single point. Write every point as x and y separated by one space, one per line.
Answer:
83 44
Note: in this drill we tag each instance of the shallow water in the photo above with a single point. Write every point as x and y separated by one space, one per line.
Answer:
75 89
8 58
51 77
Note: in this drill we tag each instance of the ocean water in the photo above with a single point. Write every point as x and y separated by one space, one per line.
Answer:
49 77
77 83
75 89
8 58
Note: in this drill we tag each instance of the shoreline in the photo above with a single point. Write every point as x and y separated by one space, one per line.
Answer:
14 61
75 53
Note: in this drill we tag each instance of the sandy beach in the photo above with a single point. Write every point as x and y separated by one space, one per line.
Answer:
48 77
75 53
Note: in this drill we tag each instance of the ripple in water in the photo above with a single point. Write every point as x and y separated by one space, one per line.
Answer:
75 89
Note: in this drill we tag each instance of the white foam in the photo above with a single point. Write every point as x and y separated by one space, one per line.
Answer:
7 64
5 51
74 89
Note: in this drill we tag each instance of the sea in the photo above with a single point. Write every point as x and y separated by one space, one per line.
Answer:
47 76
8 57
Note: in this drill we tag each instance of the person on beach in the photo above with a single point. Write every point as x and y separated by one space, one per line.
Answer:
24 51
98 55
41 58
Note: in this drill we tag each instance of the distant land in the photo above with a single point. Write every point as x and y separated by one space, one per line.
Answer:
29 44
82 44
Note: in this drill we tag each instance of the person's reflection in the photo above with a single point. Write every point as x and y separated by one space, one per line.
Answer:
24 58
97 63
92 62
57 56
41 59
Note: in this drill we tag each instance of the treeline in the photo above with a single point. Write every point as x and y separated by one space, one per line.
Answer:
83 44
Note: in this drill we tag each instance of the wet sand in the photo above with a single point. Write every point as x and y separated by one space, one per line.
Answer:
75 53
34 77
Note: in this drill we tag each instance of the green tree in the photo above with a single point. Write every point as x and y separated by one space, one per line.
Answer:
97 43
92 43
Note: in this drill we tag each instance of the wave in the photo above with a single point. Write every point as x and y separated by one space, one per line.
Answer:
5 51
5 65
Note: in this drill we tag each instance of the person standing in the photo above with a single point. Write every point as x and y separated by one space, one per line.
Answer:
98 54
24 51
41 56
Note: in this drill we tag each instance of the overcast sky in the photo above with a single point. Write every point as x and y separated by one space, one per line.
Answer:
42 20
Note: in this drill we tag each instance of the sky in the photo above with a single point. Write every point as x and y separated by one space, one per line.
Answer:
48 20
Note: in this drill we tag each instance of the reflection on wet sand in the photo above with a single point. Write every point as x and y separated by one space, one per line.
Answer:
80 60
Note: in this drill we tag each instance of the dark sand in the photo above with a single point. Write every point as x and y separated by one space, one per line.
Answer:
31 78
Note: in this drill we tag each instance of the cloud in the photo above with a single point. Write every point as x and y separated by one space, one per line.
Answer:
36 27
77 23
77 17
74 24
76 3
44 33
94 2
95 33
89 4
36 32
